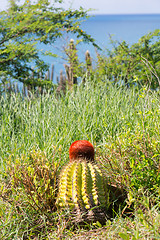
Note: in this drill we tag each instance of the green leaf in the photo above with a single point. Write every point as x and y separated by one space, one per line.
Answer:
124 236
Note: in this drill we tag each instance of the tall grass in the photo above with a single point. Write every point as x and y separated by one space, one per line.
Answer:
94 113
123 124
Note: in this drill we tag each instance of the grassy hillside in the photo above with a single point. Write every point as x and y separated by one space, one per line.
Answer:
123 125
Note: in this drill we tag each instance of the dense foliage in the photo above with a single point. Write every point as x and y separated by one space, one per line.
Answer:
138 64
23 26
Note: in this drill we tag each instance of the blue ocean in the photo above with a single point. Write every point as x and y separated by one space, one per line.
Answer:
121 27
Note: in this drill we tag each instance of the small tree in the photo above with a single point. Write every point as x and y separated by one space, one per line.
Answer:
23 26
138 63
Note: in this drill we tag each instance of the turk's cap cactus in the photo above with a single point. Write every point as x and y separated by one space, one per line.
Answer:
82 185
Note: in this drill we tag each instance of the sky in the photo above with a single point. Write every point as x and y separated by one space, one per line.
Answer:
109 6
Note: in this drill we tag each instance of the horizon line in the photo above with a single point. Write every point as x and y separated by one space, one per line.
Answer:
124 14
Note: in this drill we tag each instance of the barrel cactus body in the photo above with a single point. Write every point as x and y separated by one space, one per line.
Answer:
82 188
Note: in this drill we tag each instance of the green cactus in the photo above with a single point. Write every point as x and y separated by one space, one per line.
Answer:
82 188
81 184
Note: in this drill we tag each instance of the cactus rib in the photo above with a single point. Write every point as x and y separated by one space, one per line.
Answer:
81 185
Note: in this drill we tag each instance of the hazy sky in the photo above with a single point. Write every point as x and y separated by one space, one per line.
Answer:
110 6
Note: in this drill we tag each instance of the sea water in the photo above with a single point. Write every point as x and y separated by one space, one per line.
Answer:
121 27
